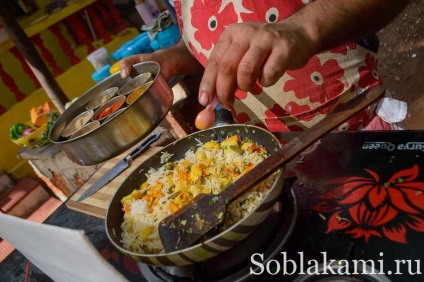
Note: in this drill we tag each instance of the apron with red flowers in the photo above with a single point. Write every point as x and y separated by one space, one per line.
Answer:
301 97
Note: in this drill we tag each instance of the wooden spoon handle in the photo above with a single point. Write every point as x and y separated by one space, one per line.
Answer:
300 143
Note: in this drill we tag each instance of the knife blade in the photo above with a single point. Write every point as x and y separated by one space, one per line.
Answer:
119 167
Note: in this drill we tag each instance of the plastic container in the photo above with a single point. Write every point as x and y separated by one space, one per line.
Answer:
142 41
115 68
116 56
101 73
99 58
166 38
139 44
131 50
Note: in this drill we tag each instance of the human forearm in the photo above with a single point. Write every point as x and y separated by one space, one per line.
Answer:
329 23
175 60
180 60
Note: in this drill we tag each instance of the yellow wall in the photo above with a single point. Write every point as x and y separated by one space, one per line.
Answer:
74 82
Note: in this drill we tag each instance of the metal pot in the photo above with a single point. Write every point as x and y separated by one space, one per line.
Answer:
119 133
219 243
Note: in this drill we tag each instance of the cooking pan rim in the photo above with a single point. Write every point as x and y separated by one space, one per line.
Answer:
279 174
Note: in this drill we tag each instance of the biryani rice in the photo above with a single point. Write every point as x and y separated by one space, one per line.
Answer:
210 168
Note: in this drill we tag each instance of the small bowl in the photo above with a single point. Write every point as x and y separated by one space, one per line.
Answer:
115 114
78 122
138 92
108 108
137 81
85 129
28 141
102 98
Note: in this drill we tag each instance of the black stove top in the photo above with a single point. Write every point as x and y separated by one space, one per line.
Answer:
352 209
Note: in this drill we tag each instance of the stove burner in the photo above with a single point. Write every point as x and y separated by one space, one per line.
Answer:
234 264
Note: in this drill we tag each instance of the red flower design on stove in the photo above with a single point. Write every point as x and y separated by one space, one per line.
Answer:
316 81
110 255
368 206
113 257
212 22
368 74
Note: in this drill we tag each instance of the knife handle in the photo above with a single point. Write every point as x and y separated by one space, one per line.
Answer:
140 148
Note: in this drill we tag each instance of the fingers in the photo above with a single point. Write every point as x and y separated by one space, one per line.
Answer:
274 67
246 53
235 63
207 88
127 63
251 67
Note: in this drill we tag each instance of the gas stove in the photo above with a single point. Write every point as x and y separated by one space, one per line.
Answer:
352 209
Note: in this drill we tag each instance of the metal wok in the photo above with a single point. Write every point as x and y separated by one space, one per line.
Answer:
219 243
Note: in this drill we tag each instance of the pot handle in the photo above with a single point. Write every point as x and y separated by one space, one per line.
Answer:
222 116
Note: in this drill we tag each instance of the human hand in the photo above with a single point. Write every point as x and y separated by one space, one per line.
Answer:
252 51
127 63
175 60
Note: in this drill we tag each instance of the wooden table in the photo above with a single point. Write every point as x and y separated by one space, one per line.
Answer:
64 177
97 203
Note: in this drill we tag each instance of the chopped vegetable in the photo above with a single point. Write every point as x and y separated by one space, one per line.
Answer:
213 200
27 132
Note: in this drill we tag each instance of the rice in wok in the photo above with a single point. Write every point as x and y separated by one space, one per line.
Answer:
209 168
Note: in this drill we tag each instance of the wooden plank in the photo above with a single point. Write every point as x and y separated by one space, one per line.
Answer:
33 58
97 204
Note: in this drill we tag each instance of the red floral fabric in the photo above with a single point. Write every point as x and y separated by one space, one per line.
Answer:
301 97
368 73
210 22
275 11
316 81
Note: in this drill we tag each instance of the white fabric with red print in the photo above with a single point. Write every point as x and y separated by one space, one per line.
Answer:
301 97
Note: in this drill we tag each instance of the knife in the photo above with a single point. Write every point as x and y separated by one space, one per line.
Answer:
119 167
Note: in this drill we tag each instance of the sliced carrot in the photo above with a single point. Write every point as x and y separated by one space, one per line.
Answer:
173 206
126 207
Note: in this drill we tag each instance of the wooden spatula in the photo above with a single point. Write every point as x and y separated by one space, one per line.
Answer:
183 228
